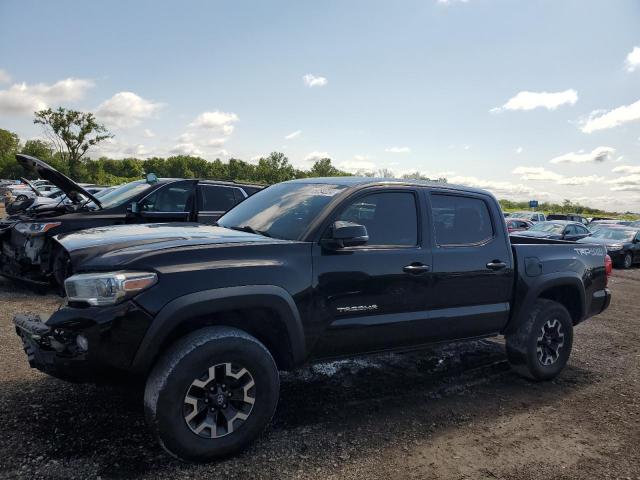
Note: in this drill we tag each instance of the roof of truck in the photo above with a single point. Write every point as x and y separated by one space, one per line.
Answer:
359 181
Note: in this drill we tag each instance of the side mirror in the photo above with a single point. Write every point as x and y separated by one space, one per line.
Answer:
134 208
346 234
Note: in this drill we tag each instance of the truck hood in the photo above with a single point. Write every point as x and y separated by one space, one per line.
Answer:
137 240
64 183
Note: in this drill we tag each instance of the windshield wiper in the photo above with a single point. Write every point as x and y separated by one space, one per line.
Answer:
248 229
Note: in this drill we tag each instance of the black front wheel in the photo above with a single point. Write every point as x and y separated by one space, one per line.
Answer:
541 345
627 261
211 394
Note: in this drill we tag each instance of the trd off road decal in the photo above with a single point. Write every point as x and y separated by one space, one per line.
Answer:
590 251
358 308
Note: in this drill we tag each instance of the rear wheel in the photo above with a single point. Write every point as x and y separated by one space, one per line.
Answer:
540 347
211 394
627 261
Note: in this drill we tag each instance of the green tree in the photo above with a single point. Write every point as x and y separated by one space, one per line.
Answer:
274 168
39 149
9 143
72 133
324 168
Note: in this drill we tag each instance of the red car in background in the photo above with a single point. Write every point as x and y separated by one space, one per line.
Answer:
518 224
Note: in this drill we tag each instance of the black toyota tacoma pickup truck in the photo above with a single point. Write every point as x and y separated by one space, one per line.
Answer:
304 271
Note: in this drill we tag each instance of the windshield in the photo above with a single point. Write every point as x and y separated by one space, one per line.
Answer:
282 211
121 194
548 227
611 234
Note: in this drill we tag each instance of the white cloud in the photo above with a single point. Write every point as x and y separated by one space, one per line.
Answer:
629 183
216 120
397 150
500 189
536 174
113 148
633 59
358 164
216 142
597 155
627 169
519 150
450 2
315 155
148 133
543 175
313 81
293 135
126 109
4 76
21 98
186 148
614 118
530 100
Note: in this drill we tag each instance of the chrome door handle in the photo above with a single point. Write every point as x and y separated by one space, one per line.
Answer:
416 268
496 265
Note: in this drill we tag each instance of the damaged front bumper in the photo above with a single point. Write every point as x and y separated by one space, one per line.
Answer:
53 351
83 344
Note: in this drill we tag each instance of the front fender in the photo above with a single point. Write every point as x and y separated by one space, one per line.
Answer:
218 300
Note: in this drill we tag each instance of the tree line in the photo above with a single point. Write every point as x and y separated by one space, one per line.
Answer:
70 134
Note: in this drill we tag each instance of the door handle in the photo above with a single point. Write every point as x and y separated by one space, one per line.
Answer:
496 265
416 268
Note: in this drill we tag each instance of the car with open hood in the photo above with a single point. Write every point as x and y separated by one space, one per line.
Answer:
28 254
622 244
556 230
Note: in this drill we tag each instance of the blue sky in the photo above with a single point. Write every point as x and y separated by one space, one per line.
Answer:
530 99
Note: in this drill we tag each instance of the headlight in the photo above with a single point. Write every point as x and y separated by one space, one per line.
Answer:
35 228
614 248
107 288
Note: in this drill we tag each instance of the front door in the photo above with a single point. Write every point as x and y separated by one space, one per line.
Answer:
170 203
472 267
368 297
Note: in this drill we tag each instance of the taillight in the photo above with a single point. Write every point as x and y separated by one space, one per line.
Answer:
608 267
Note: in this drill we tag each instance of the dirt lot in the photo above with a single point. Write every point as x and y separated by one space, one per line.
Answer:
451 413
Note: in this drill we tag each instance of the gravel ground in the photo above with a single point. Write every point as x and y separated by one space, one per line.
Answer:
452 412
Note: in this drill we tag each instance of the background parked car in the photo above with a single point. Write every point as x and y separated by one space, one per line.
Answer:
28 252
622 243
572 217
518 224
597 224
557 230
530 216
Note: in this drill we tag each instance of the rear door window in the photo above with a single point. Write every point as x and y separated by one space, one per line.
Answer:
217 199
460 220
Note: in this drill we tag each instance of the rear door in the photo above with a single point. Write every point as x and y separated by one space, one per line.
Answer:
472 266
215 200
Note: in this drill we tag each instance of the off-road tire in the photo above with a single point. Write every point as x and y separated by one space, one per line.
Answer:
523 344
172 378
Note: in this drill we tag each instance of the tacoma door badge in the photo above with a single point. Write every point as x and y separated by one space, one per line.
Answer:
358 308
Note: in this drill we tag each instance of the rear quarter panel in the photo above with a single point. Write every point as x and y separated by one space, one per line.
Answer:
545 264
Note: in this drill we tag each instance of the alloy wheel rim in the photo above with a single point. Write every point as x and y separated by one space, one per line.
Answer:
627 261
218 402
550 342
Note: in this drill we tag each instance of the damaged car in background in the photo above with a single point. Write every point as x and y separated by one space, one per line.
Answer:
29 253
